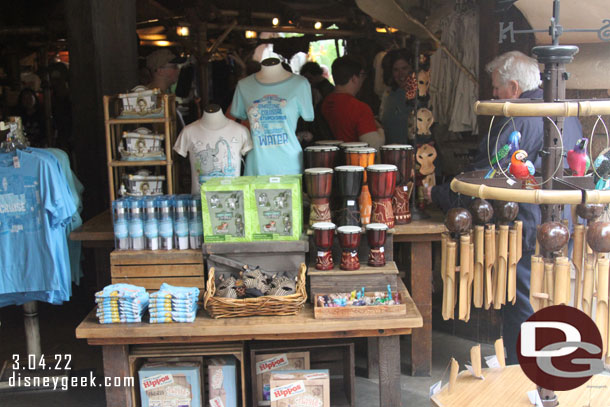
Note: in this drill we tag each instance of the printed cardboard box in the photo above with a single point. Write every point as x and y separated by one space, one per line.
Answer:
226 213
278 214
304 388
269 363
170 385
222 382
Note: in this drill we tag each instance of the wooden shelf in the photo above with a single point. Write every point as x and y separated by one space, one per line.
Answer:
117 163
138 121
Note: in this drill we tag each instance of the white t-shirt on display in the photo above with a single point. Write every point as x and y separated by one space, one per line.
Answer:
213 153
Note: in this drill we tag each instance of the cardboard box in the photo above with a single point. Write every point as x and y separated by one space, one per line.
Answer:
226 210
222 382
278 211
304 388
170 385
269 363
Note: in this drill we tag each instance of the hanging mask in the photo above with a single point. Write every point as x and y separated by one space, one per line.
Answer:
425 119
423 83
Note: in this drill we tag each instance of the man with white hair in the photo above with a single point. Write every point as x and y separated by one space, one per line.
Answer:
514 75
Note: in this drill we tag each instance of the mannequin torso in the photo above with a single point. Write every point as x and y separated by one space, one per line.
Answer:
213 118
272 71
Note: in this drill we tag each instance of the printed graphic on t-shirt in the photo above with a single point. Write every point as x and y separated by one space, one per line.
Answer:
267 121
19 207
214 162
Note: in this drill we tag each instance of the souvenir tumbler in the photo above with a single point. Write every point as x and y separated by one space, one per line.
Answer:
375 234
349 239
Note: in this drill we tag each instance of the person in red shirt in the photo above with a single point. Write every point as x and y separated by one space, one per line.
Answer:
348 118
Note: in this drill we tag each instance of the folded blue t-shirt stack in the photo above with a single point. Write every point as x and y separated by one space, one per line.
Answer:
121 303
173 304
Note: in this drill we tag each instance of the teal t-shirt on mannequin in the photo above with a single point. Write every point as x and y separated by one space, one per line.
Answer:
273 111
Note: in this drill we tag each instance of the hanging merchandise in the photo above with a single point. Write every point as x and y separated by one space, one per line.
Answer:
452 92
273 100
36 207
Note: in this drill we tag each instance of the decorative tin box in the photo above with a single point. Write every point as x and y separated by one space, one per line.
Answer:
141 102
226 209
278 214
142 183
309 388
222 382
166 384
141 145
270 363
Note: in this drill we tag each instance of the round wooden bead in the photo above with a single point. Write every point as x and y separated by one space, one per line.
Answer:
552 236
506 212
458 220
589 211
598 237
481 211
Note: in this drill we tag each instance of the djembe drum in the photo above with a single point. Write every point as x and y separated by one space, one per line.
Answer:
375 234
349 239
318 182
335 143
348 183
362 156
323 233
321 156
403 157
382 182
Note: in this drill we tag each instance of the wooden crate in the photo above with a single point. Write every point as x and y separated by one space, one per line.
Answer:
139 354
335 355
359 312
150 269
337 280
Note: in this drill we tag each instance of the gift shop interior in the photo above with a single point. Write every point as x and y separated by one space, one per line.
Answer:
301 203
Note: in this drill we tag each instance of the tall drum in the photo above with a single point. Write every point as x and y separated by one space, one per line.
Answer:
375 234
382 182
362 156
323 233
348 183
321 156
349 239
335 143
318 183
403 157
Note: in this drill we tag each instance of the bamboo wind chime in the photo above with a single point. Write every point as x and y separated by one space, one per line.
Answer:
486 260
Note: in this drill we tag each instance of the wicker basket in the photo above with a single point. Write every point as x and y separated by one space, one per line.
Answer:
220 307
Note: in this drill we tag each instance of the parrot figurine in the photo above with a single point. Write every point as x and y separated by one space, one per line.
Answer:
506 151
601 165
578 160
523 169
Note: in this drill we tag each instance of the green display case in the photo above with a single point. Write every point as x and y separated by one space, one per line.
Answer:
276 204
226 210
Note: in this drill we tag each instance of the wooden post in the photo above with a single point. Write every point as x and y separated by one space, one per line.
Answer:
389 370
116 364
104 60
421 339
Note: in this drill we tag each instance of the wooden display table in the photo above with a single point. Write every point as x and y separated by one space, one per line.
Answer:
421 234
116 339
508 387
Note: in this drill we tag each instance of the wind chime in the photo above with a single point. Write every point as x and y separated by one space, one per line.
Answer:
484 256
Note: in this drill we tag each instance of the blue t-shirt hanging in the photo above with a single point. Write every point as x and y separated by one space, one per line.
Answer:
273 111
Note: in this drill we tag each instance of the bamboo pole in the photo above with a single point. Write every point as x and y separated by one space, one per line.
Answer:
519 229
500 298
549 282
499 347
537 248
587 286
573 108
577 259
453 373
444 240
470 278
601 312
490 255
562 279
564 249
475 359
513 251
450 280
479 260
536 282
464 276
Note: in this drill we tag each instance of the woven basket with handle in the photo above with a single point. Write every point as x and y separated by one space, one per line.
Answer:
221 307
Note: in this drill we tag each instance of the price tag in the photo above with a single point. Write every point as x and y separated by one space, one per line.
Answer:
274 180
351 202
471 370
16 163
382 249
435 388
405 188
216 402
534 397
321 254
510 182
492 362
